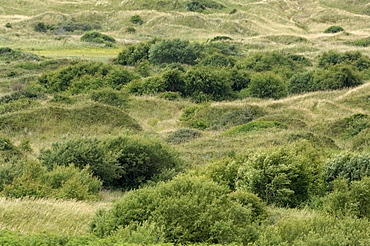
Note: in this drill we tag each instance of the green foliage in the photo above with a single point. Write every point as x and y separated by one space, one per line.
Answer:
184 210
284 177
130 55
147 86
336 77
182 135
349 199
42 27
225 48
364 42
334 29
80 26
332 57
350 126
110 97
301 82
267 61
254 126
267 85
8 25
195 6
347 166
21 94
199 124
136 19
97 37
120 162
175 50
217 60
7 150
213 84
218 38
130 30
174 80
86 76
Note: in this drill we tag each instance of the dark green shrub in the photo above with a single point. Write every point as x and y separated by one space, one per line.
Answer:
195 6
21 95
97 37
120 162
86 76
334 29
347 166
239 79
136 19
327 59
336 77
218 60
225 48
175 50
267 61
267 85
130 30
254 126
110 97
282 177
349 199
233 11
173 80
184 210
8 25
204 81
130 55
218 38
182 135
42 27
147 86
301 82
7 150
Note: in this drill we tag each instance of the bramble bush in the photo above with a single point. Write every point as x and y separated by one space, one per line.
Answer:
97 37
267 85
131 54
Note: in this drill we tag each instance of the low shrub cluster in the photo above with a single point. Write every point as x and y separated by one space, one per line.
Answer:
120 162
97 37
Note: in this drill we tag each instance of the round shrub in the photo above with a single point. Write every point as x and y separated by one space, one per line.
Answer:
97 37
169 95
136 19
110 97
184 210
267 85
334 29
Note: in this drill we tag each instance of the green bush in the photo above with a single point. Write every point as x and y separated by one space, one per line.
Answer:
217 60
85 76
130 30
254 126
175 50
349 199
336 77
182 135
330 58
20 95
120 162
334 29
284 177
97 37
301 82
7 150
131 54
136 19
184 210
267 85
267 61
213 84
174 80
42 27
350 126
62 99
347 166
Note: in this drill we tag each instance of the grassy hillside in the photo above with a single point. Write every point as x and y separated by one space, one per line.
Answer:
83 123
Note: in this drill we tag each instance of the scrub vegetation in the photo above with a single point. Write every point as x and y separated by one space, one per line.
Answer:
206 122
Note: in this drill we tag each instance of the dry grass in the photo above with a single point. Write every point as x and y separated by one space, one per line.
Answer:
47 215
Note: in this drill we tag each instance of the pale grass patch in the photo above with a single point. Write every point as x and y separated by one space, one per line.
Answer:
49 216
